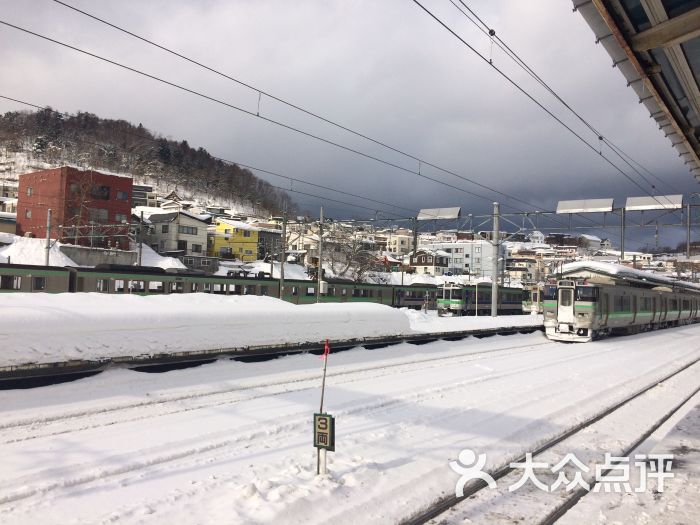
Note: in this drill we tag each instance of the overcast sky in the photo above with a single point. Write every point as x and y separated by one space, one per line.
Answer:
383 68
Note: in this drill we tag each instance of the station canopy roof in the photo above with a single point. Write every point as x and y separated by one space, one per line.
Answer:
585 206
656 46
658 202
427 214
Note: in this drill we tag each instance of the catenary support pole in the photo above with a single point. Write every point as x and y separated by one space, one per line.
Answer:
283 256
687 238
415 235
141 240
320 260
622 240
48 237
494 260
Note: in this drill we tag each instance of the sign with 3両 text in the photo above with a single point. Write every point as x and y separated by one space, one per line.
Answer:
324 431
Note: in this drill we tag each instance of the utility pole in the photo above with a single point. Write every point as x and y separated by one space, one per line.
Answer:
622 240
320 264
415 235
284 251
687 239
494 262
141 240
48 237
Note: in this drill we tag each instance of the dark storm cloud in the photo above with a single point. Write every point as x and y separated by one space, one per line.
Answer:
383 68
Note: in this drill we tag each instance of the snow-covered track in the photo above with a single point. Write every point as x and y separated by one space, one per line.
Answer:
38 374
453 509
61 423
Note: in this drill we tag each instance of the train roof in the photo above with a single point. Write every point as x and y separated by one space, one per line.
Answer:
626 274
38 267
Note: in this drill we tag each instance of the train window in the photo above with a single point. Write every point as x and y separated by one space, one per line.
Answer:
195 287
331 291
207 288
38 283
118 285
155 287
310 290
588 294
550 292
344 292
565 295
295 290
176 287
249 290
263 290
10 282
137 286
355 292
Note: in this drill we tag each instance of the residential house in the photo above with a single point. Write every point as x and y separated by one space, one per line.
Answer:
178 233
432 262
242 241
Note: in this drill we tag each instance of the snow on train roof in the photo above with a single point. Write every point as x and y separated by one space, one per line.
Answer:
626 273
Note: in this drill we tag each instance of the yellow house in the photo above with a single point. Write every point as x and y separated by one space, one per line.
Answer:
234 240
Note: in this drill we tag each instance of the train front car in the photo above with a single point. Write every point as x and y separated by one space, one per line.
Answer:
576 311
451 300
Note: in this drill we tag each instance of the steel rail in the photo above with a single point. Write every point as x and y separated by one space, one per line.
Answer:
446 503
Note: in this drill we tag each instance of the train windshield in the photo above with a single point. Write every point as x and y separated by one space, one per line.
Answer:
550 291
586 294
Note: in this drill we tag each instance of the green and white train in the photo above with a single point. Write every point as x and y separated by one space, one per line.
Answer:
593 300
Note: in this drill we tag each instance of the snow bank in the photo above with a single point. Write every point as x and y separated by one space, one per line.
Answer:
431 322
25 250
291 271
150 258
48 328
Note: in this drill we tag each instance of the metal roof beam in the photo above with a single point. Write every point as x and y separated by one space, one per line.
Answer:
669 33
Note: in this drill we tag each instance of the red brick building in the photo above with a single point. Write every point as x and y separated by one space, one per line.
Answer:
88 208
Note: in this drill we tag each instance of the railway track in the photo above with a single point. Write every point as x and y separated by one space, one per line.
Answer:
548 507
40 374
50 425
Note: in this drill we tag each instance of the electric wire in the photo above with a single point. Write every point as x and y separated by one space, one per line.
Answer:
488 31
250 113
532 98
292 105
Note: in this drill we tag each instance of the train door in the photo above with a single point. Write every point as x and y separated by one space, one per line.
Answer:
605 309
565 312
662 309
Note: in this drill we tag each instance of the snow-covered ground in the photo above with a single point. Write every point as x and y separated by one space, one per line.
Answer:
41 328
431 322
230 442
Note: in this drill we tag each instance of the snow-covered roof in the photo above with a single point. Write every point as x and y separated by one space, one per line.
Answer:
25 250
245 225
590 237
624 272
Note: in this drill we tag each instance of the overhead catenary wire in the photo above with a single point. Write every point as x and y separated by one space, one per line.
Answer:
250 113
544 214
295 106
531 97
488 31
272 121
231 162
